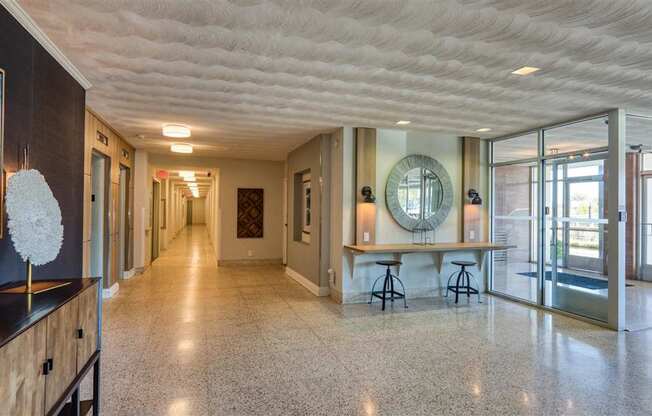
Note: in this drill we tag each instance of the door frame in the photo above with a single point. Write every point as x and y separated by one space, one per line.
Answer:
106 220
155 219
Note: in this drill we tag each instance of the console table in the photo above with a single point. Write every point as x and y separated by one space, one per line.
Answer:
48 344
437 250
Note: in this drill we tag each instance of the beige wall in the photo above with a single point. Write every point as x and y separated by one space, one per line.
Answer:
234 174
310 260
198 210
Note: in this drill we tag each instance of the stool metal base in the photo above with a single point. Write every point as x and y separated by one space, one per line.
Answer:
463 289
388 292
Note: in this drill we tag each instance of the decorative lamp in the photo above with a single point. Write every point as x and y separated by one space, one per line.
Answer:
368 195
474 196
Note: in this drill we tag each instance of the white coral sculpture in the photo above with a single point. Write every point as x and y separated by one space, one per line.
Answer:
34 217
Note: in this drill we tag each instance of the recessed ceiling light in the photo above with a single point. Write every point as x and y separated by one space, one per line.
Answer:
526 70
181 148
189 179
176 130
403 122
186 174
483 130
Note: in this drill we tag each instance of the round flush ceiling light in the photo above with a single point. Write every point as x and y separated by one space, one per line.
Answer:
181 148
176 130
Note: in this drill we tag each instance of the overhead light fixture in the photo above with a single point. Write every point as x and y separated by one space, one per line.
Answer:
526 70
189 179
176 130
186 174
483 130
181 148
403 122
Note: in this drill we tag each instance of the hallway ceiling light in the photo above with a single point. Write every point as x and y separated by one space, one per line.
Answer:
403 122
176 130
483 130
186 174
526 70
189 179
181 148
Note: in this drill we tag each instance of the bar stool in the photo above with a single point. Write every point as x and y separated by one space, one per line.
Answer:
463 289
388 292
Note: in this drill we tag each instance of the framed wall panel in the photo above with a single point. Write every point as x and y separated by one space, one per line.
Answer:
251 209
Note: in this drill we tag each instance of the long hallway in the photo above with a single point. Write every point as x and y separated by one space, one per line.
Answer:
189 338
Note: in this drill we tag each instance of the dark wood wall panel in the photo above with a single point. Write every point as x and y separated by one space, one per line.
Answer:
44 107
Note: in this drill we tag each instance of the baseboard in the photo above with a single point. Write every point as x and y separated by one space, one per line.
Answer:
250 262
336 295
110 292
128 274
303 281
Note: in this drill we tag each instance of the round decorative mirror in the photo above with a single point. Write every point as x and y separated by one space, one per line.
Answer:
419 188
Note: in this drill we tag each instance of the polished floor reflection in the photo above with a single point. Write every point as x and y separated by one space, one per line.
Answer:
188 338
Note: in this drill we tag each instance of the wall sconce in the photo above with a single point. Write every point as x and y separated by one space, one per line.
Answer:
475 197
368 194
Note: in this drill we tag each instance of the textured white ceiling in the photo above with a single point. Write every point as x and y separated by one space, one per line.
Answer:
256 78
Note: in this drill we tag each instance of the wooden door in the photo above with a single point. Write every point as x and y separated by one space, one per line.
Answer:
62 350
87 340
22 389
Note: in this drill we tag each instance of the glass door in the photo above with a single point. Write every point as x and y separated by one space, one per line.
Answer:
575 278
646 228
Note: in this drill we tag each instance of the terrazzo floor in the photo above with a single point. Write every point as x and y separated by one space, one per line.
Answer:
188 338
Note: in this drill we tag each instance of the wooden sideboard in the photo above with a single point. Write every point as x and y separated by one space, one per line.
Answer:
48 344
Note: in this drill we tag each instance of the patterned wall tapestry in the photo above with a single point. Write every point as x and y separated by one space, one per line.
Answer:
250 213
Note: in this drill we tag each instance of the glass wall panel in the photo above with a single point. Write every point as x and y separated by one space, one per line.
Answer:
638 229
514 223
577 137
576 219
518 148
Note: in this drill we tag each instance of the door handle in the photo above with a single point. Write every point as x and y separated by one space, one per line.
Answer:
50 364
46 368
80 333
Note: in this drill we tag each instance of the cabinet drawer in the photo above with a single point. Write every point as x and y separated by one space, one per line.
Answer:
62 350
87 339
22 387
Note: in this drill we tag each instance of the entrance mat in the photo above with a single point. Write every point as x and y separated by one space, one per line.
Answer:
574 280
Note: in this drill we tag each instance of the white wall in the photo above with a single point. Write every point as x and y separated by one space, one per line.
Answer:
418 272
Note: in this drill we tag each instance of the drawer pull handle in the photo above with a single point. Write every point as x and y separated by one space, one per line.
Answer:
80 333
50 364
46 368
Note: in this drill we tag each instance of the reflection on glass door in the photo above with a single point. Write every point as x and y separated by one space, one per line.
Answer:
575 233
514 222
646 228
